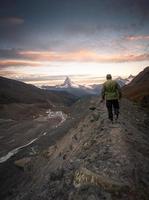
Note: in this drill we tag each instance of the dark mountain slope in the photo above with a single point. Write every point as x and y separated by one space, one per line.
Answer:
12 91
138 89
142 77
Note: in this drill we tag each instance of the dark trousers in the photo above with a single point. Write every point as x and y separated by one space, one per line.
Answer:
112 105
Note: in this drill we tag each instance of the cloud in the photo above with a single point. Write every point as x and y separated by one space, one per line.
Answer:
44 58
11 63
11 74
20 58
82 56
130 58
11 21
137 37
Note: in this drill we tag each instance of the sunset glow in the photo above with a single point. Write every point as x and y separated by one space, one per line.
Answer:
86 38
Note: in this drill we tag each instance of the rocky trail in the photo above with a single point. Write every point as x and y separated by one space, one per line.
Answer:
93 160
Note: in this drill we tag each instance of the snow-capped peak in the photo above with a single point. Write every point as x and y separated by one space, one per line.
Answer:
129 79
69 84
124 81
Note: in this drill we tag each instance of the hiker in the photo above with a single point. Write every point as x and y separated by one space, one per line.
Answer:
111 92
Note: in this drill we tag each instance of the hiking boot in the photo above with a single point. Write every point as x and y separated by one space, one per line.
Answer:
116 117
111 120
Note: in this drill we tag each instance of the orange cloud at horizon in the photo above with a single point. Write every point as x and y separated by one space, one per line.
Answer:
46 58
137 37
82 56
11 63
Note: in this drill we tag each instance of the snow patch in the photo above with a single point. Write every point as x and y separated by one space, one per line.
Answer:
129 80
45 133
55 114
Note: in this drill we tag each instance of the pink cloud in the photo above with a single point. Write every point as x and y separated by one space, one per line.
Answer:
137 37
10 63
44 58
81 56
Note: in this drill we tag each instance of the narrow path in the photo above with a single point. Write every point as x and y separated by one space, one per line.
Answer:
113 158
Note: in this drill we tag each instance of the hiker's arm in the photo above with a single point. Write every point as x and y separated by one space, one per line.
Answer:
103 93
119 91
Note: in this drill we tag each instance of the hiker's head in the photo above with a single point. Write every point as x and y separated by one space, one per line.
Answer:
108 77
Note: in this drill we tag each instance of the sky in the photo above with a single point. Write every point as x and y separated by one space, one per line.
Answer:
42 42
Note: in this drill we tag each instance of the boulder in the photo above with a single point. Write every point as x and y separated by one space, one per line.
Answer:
23 162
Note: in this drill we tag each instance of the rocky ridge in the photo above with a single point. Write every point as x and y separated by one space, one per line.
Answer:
94 160
138 89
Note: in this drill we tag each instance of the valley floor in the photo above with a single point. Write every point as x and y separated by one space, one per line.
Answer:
86 158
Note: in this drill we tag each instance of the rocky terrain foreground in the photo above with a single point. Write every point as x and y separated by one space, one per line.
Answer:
93 160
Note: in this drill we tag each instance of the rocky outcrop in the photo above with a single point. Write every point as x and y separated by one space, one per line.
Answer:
84 176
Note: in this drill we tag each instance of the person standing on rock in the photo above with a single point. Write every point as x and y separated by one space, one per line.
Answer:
111 92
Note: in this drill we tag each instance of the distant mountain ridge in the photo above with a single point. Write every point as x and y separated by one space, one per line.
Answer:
75 89
122 82
83 90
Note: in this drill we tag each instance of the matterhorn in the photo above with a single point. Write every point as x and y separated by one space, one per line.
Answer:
68 83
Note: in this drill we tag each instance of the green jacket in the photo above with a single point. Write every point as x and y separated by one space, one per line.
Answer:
111 90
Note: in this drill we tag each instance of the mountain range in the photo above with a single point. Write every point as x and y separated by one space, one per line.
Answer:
83 90
15 96
124 81
20 101
74 89
48 153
